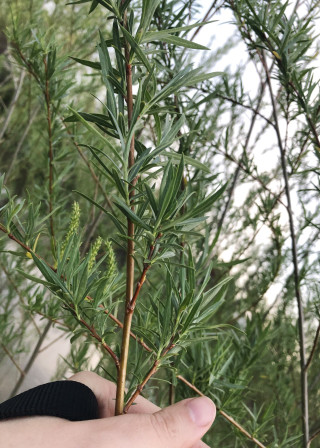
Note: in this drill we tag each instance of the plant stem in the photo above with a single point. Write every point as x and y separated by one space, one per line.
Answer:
10 356
20 143
49 120
314 435
224 414
151 372
121 379
315 342
95 335
31 359
12 105
303 370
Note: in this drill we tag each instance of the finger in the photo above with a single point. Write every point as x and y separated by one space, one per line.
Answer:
179 426
105 392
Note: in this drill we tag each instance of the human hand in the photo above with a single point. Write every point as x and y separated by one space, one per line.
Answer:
145 426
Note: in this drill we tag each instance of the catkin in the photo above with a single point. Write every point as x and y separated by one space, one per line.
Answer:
110 260
94 252
73 226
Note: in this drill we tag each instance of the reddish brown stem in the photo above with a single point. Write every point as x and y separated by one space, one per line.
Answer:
151 372
95 335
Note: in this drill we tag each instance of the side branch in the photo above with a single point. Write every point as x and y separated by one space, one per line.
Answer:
151 372
314 346
224 414
49 120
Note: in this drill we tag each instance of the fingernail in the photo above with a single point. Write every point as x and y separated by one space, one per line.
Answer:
202 411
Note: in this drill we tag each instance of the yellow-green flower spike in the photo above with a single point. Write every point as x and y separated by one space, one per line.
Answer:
73 226
110 260
94 252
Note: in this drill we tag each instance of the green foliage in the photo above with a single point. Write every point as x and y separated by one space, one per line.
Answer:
214 273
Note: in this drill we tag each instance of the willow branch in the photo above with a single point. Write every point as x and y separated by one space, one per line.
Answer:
95 335
10 356
303 370
49 120
31 360
147 348
20 143
314 435
152 371
90 328
12 105
314 346
121 379
224 414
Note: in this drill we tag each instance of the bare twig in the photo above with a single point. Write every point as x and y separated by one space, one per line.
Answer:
31 360
49 120
314 346
10 356
20 143
303 370
12 105
314 435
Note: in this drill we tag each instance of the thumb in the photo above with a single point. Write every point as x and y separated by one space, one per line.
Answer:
179 426
183 424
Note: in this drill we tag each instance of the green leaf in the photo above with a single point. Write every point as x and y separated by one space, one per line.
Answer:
93 6
117 223
34 279
148 9
158 35
97 133
106 68
118 46
203 77
166 192
135 47
188 161
95 65
131 215
174 40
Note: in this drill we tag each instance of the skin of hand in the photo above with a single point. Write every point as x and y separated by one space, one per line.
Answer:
145 426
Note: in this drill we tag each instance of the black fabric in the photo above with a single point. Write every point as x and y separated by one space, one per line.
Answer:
66 399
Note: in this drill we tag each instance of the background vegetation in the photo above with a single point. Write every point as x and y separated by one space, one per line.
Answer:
231 303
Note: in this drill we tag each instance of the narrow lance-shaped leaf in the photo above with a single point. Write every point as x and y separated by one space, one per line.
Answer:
106 68
97 133
158 35
135 47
